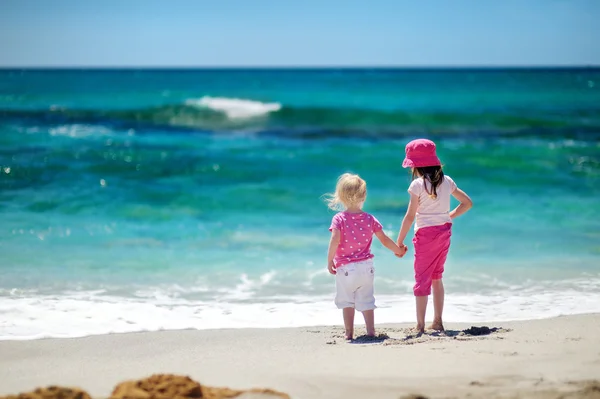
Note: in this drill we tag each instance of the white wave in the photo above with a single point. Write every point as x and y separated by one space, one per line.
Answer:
235 108
272 299
79 314
78 130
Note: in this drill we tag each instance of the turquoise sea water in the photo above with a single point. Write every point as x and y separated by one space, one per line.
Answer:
144 200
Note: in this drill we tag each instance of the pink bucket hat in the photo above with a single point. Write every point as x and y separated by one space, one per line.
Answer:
420 153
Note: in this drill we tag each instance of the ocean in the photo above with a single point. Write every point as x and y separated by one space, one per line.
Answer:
144 200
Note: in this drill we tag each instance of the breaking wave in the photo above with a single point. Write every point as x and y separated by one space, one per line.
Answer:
222 114
234 107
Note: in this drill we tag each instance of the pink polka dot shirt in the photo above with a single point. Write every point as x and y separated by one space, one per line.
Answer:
357 231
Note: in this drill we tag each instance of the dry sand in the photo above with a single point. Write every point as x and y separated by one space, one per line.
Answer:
554 358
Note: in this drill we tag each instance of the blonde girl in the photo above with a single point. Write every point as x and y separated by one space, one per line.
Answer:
349 257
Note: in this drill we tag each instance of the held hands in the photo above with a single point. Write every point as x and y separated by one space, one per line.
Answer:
331 267
403 250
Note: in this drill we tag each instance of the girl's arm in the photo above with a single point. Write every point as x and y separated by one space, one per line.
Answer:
408 220
333 244
389 244
465 203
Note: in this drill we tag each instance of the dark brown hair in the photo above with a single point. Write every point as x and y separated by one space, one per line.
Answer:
432 174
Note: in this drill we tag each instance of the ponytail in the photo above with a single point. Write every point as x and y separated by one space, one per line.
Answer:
432 174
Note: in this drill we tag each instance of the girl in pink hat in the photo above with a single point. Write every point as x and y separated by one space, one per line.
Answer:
429 208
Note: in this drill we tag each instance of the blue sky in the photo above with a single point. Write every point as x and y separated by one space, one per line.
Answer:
298 33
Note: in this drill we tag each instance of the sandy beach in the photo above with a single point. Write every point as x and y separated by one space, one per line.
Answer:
539 359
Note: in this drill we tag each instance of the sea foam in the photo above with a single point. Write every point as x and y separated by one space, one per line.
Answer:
234 107
76 314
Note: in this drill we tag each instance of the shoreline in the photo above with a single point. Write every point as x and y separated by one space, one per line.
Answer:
522 357
359 323
76 316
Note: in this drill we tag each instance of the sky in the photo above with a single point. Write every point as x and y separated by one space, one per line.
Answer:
250 33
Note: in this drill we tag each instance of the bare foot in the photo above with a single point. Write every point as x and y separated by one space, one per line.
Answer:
420 329
349 335
349 338
437 325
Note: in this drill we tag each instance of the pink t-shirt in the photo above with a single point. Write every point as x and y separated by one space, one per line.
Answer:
357 231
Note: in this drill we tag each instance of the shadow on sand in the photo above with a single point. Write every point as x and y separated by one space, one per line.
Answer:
410 335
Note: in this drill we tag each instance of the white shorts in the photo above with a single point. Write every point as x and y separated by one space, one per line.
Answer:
354 286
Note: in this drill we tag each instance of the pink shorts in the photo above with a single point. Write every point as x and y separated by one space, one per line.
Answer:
431 249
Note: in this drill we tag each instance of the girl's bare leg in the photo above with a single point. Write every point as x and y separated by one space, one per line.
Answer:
349 322
369 316
438 305
421 308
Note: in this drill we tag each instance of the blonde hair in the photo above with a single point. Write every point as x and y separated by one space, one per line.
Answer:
350 190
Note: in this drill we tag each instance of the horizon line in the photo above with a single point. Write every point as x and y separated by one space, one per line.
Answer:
301 67
307 66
